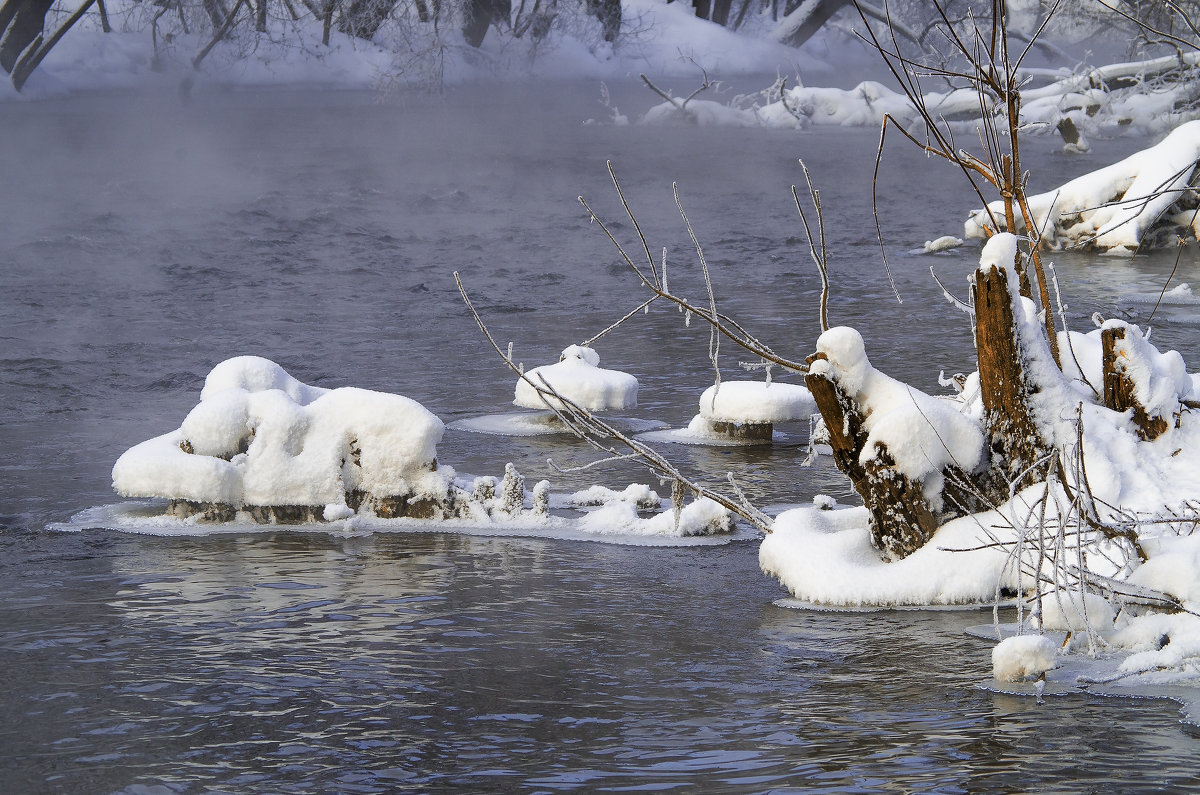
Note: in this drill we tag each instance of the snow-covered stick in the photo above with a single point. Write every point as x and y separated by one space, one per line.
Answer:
590 428
681 105
714 342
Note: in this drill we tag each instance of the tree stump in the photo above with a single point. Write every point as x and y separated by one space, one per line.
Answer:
901 519
1018 451
1119 393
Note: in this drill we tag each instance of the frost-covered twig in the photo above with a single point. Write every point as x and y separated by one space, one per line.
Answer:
590 428
822 259
722 323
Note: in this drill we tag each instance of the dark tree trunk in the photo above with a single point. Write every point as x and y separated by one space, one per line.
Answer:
480 14
609 14
21 22
720 11
216 11
824 10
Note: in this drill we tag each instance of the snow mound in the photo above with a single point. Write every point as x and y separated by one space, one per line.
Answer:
637 494
700 518
825 557
259 437
756 402
943 243
1022 657
579 378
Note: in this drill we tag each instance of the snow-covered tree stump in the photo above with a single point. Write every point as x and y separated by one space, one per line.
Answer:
1120 389
1014 440
901 519
909 456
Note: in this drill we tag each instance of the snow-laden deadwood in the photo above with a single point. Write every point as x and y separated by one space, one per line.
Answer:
1136 96
1146 200
1071 489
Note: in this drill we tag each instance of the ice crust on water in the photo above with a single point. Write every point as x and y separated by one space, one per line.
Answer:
260 437
579 378
756 402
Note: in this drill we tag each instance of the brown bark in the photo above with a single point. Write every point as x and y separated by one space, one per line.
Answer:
901 519
1118 388
1017 448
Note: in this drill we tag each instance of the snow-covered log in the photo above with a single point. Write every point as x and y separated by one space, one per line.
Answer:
1143 201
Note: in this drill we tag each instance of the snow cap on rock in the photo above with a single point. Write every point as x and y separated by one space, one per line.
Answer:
756 402
579 378
260 437
1022 657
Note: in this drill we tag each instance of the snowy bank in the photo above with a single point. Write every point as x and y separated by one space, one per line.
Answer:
658 38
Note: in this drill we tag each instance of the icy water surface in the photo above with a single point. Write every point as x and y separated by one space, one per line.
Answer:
145 240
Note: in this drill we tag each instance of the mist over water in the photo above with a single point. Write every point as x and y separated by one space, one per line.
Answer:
145 240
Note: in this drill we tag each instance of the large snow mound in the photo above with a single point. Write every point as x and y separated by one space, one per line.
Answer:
259 437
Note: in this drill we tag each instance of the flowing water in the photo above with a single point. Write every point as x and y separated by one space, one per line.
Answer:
145 239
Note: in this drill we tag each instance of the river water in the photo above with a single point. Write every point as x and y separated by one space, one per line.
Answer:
146 239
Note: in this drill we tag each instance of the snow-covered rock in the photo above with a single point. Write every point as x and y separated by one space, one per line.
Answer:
261 438
756 402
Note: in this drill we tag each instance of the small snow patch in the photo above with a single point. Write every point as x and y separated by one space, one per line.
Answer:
1022 657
